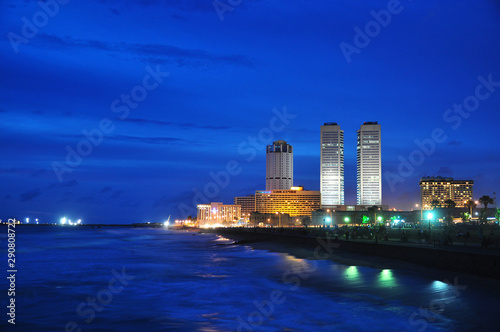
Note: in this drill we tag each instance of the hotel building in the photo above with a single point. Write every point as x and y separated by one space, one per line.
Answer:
369 160
218 213
332 165
441 189
279 166
247 204
295 201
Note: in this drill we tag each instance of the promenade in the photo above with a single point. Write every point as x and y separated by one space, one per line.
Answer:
462 255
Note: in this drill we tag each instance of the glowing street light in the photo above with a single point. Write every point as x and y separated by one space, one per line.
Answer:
379 218
430 216
27 220
346 219
63 220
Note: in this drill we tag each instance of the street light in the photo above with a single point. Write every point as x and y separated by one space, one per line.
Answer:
430 216
346 219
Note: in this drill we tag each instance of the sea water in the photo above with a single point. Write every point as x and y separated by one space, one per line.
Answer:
153 279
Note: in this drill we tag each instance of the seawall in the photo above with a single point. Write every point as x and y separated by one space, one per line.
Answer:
481 262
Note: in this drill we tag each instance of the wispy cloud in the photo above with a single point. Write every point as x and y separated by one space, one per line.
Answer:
160 52
29 195
140 139
152 140
105 189
171 123
65 184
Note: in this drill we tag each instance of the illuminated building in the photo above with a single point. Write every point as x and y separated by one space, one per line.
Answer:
218 213
247 204
279 166
369 160
295 201
332 165
441 189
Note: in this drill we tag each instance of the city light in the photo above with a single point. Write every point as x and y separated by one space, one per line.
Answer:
63 220
328 219
27 220
346 219
379 218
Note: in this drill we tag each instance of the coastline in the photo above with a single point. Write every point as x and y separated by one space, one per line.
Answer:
341 254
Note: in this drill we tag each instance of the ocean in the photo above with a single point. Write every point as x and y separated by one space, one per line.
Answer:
153 279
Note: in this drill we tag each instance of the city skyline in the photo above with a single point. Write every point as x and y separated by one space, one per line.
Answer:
112 122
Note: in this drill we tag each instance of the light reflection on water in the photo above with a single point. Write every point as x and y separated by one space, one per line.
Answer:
186 282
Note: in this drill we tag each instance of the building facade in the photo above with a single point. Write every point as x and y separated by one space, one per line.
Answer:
247 204
217 213
369 161
332 165
295 201
279 166
441 189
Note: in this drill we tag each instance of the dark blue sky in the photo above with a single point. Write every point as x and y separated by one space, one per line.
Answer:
224 79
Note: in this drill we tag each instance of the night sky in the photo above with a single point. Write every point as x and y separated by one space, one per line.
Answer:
208 91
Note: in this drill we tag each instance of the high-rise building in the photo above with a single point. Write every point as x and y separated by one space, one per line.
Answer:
332 165
295 201
247 204
441 189
279 166
369 162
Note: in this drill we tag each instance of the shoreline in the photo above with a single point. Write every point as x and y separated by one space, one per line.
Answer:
354 254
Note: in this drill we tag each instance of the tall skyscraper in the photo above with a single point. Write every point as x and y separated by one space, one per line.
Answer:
332 164
369 164
279 166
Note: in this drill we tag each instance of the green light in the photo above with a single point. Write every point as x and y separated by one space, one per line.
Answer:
365 219
346 219
430 216
379 218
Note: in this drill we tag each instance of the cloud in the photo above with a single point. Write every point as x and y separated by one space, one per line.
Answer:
116 194
455 143
140 139
445 171
153 140
105 189
171 123
65 184
162 52
29 195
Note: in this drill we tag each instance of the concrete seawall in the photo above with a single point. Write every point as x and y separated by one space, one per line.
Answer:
485 263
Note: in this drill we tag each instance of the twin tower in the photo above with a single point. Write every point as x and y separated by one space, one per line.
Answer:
279 165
